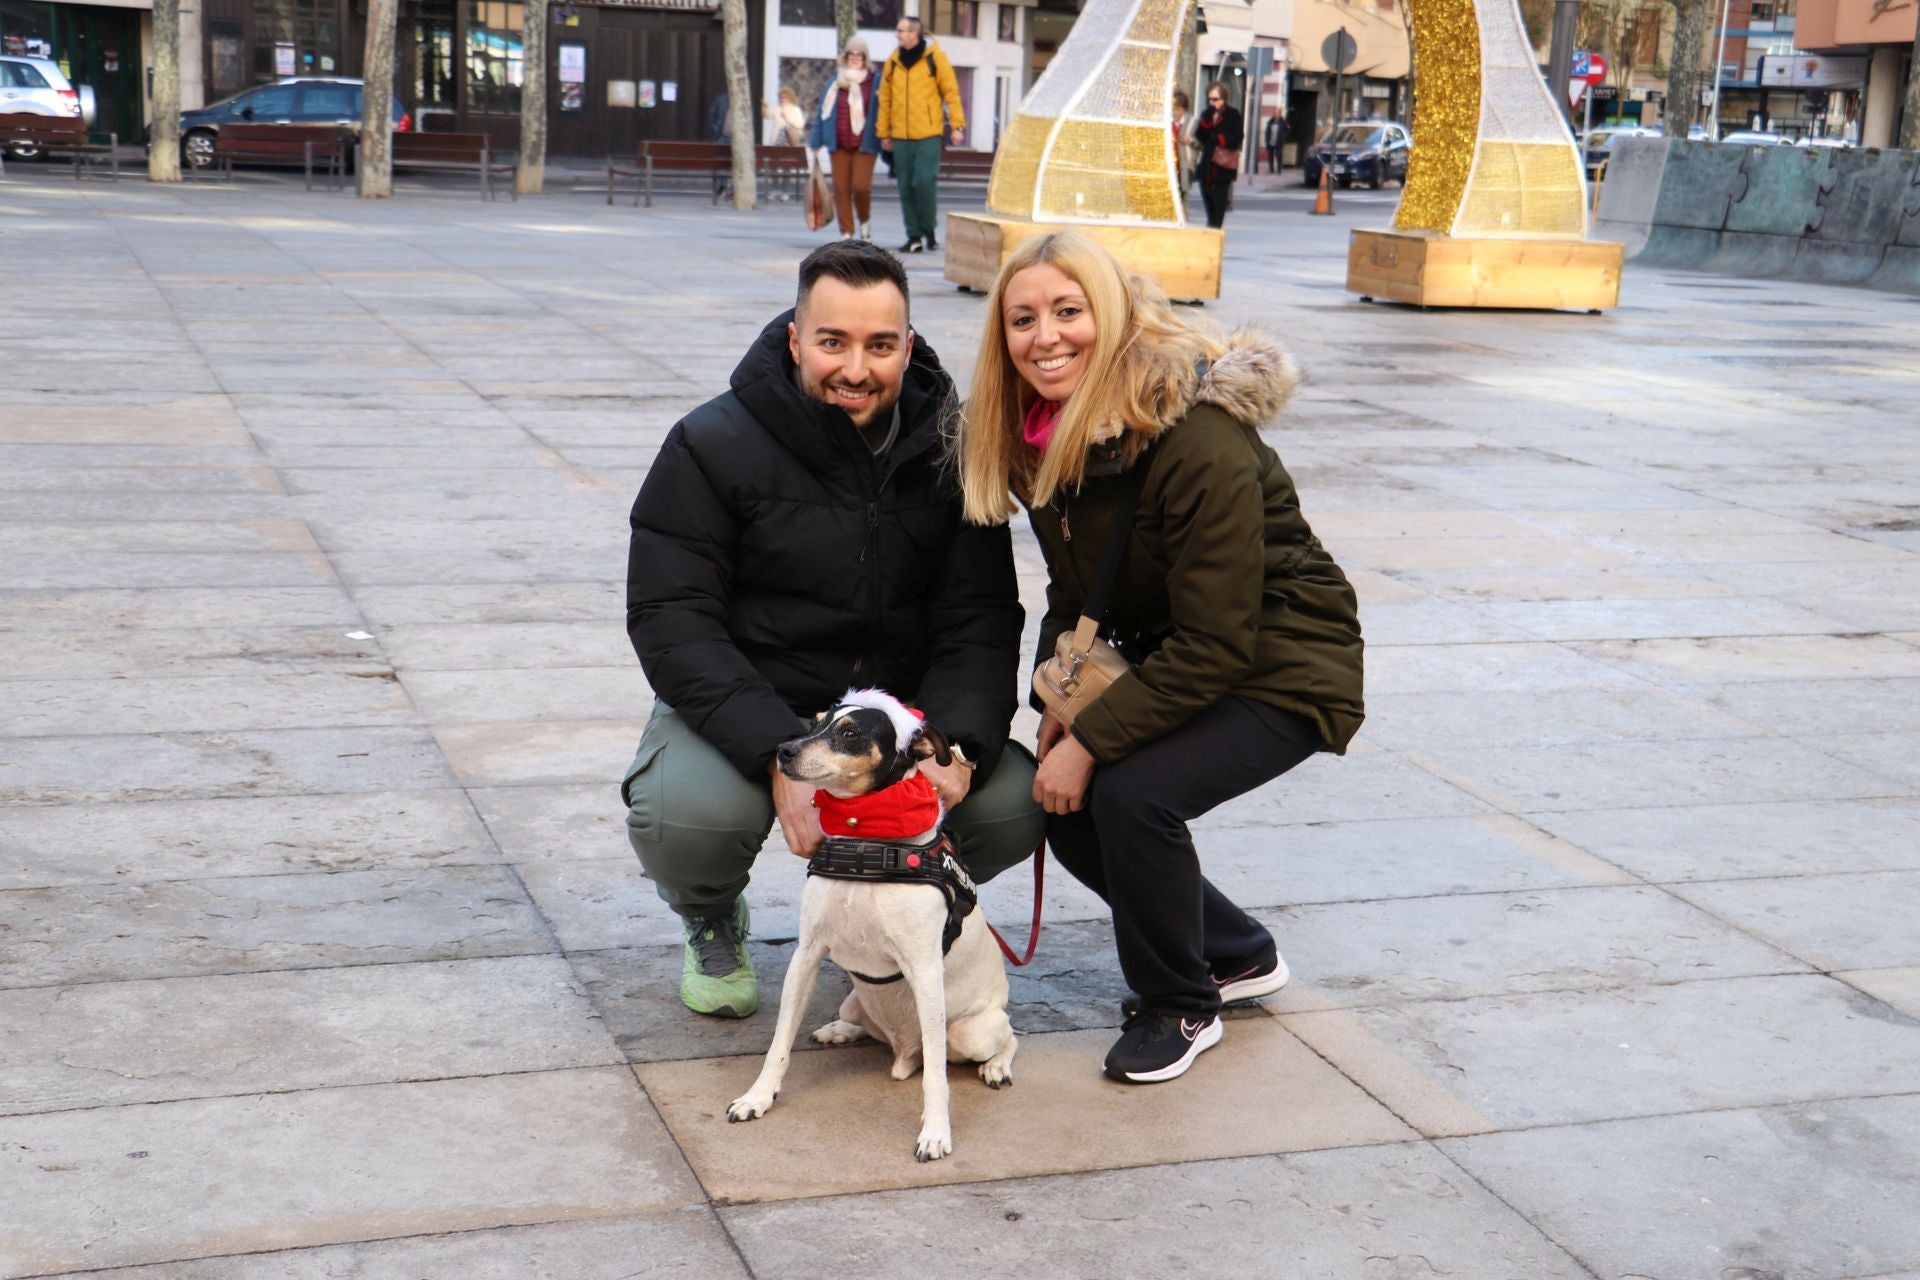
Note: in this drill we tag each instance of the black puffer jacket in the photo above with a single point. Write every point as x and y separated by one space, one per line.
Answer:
775 562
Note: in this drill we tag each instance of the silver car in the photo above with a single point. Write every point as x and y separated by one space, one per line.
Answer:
36 87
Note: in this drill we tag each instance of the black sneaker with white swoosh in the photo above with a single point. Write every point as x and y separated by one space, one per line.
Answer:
1160 1046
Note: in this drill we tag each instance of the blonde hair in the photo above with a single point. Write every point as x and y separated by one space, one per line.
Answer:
1140 376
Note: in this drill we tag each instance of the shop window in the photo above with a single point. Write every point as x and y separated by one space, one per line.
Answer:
1009 23
879 15
496 62
953 17
806 13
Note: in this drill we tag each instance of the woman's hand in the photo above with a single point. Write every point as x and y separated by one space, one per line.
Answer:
1061 784
1051 731
799 820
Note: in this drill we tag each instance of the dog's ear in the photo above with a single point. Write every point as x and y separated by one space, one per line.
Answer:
930 742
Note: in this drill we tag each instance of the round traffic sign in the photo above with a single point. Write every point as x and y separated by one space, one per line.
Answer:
1339 50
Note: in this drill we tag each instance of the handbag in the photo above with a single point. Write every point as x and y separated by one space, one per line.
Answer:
1084 664
1225 157
819 197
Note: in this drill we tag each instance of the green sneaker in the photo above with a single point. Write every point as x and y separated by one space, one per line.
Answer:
717 975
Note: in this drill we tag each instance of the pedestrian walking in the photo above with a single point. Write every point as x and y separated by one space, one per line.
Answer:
1219 136
800 535
915 86
719 119
1131 435
1276 140
787 123
845 135
1181 125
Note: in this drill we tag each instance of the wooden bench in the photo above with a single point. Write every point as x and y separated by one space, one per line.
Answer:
658 157
59 135
965 168
713 159
456 153
284 144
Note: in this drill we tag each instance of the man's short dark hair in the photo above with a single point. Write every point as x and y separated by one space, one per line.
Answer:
856 263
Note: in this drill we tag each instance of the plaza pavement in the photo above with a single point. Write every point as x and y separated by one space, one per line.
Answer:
322 953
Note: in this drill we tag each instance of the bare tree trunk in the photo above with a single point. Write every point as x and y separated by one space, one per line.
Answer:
1910 116
846 22
376 98
1683 68
741 120
532 174
163 154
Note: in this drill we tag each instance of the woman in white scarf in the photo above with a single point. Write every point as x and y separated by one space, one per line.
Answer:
843 132
789 127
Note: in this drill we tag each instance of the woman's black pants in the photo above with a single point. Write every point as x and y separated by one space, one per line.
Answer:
1216 189
1129 843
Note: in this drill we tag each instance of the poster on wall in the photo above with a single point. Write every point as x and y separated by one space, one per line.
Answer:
573 77
283 60
649 97
669 91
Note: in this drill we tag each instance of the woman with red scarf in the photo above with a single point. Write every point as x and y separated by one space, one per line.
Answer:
1219 128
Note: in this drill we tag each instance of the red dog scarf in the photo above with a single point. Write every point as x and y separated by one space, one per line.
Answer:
909 807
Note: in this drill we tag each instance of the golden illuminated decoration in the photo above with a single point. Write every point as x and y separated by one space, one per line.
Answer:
1093 143
1491 155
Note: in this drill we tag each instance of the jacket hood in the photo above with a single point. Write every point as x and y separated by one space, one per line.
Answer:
765 382
1251 381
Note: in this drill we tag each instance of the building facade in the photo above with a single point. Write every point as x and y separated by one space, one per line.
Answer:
104 46
1879 34
992 44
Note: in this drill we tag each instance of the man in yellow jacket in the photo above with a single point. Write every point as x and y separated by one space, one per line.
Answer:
917 80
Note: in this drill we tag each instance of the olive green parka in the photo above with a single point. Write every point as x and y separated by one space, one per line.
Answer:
1226 591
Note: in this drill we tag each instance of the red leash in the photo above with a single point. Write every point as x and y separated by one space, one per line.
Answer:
1033 939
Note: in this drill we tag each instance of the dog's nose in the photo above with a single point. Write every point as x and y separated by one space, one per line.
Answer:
787 751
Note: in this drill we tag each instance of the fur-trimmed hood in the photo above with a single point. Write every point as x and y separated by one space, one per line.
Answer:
1251 381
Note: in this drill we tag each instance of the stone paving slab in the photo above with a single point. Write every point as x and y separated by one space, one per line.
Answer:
1765 838
563 823
1061 1116
1372 953
70 570
122 705
672 1243
510 753
251 762
1428 722
122 1185
216 608
1592 775
487 647
1621 1053
113 1043
471 696
1898 988
185 651
562 601
106 933
1815 1191
160 840
1392 1211
1829 921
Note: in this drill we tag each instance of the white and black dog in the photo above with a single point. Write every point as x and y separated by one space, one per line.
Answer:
864 756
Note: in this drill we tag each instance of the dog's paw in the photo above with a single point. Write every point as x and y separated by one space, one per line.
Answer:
748 1107
998 1075
935 1141
840 1031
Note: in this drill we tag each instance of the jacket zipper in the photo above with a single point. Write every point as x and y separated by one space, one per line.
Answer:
872 547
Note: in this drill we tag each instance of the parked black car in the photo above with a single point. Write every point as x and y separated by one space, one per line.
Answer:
330 101
1366 151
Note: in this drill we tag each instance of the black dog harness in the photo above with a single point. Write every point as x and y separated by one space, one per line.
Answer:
893 860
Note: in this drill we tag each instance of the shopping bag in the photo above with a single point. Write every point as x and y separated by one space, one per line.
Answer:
819 199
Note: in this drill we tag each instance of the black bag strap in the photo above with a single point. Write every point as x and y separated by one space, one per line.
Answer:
1113 555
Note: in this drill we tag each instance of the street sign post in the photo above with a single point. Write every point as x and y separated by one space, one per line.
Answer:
1338 51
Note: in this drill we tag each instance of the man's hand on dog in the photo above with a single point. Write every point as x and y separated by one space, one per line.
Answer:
799 820
1066 769
950 781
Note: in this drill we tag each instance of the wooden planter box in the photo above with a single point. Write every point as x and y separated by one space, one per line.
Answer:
1184 260
1440 271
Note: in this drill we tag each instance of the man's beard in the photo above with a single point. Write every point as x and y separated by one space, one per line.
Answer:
881 404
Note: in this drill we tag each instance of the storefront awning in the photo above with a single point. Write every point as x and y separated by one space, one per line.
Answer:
1383 42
